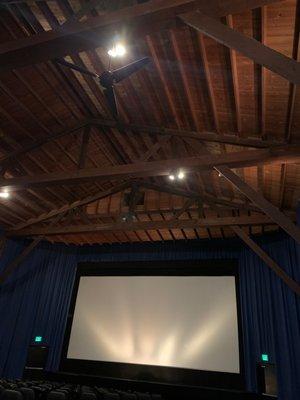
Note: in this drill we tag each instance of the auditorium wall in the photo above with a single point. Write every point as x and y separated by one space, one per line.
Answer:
35 299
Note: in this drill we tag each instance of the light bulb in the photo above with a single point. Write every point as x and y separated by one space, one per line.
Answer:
120 49
180 175
112 52
171 177
4 195
117 50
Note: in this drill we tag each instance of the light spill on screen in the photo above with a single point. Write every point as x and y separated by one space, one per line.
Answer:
185 322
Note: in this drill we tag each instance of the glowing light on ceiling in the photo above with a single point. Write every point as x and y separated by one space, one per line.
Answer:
177 175
180 175
4 195
118 50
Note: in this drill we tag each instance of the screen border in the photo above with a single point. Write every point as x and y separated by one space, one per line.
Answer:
151 373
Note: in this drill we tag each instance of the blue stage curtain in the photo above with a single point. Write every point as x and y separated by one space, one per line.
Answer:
35 300
271 315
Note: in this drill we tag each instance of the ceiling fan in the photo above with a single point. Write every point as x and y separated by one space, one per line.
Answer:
108 78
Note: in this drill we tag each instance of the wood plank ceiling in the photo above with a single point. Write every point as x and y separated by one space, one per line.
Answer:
193 85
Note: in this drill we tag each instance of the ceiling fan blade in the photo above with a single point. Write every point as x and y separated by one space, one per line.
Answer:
123 72
76 67
109 94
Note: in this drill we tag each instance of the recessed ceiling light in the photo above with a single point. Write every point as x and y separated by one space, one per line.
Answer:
180 175
171 177
4 195
117 50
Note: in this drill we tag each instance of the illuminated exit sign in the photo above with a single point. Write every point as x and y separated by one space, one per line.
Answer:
38 339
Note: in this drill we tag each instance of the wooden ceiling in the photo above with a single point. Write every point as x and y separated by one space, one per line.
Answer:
78 176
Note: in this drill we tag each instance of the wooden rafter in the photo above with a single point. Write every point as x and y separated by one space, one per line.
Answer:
85 9
209 85
84 147
188 203
262 95
75 204
235 81
278 155
207 199
256 51
195 210
52 44
144 225
119 142
203 197
292 284
268 208
200 136
291 101
13 265
262 110
9 2
133 198
10 158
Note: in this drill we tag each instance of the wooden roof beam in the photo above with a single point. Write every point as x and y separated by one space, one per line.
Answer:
278 155
84 10
201 136
188 203
78 203
205 197
13 265
144 225
291 102
80 35
268 208
292 284
10 158
139 130
84 147
208 199
235 81
251 48
193 210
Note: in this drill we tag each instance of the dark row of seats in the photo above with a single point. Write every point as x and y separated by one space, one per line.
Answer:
42 390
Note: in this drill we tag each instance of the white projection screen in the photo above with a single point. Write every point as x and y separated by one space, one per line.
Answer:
188 322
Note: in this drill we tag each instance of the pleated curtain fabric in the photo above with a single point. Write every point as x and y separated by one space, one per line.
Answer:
35 299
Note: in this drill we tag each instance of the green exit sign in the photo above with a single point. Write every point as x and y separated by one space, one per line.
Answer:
265 357
38 339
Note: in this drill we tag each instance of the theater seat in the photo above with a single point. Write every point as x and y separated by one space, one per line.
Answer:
56 395
86 389
111 396
88 396
9 394
128 396
27 393
143 396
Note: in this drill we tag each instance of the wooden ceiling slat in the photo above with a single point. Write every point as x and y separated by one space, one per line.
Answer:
235 81
291 102
46 45
276 62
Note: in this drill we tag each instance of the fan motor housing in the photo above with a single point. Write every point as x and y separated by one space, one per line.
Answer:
106 79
